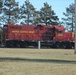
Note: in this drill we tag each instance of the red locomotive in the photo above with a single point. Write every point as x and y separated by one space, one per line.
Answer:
28 35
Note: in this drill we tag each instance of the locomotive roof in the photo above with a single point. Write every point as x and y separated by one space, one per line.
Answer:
56 27
60 28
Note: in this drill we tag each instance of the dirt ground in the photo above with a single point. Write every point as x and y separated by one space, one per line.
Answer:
22 61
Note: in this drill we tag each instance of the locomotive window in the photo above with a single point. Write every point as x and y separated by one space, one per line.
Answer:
59 31
40 27
5 26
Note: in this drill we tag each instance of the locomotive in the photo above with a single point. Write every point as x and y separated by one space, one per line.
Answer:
23 36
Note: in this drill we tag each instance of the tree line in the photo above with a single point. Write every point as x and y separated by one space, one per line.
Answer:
11 13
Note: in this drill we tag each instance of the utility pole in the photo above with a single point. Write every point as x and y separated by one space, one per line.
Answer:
75 29
39 43
27 12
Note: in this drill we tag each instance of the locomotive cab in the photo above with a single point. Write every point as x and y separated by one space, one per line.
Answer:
63 39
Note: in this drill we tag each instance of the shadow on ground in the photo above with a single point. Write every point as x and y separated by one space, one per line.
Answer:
4 59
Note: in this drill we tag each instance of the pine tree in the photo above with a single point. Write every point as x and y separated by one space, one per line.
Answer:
10 12
29 14
69 19
48 15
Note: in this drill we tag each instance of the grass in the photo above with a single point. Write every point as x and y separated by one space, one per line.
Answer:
18 61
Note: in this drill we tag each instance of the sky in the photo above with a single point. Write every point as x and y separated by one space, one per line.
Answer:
59 6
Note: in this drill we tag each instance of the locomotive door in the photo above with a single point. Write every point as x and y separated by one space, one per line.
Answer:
27 37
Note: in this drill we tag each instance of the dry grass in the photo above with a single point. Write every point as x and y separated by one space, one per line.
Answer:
37 62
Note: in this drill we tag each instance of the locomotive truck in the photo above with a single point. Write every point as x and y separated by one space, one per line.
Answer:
28 35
